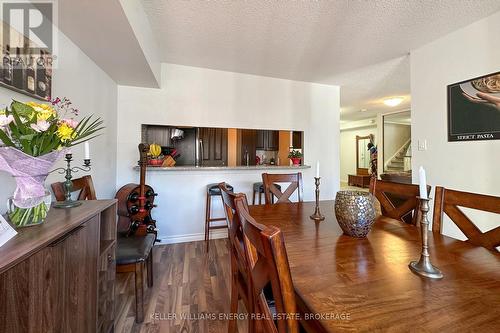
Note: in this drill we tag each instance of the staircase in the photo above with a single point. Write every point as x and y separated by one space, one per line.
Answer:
397 162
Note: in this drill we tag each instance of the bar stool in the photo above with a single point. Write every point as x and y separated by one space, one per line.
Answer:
259 188
213 190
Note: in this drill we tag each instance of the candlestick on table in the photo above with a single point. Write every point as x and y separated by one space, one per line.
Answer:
317 169
424 266
68 184
316 216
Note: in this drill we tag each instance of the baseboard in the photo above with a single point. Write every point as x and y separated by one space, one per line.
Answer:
215 234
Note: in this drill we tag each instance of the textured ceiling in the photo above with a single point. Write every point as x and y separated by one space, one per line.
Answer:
316 41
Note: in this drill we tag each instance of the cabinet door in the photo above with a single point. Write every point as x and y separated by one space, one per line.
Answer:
273 140
297 140
261 140
214 141
31 293
247 142
80 278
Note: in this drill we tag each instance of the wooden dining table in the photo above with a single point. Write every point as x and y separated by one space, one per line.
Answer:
364 284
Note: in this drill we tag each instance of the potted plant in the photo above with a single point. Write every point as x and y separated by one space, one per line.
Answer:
295 155
34 137
155 156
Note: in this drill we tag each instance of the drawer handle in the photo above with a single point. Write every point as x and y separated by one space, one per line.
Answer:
110 258
63 238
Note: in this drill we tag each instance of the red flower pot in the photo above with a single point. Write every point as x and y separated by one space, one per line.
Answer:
295 160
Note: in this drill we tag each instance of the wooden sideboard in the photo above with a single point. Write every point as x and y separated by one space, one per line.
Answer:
359 180
59 276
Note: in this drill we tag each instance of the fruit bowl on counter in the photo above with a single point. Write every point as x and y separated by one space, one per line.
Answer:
155 162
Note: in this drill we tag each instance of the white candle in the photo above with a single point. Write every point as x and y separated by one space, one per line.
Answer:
87 150
317 169
422 183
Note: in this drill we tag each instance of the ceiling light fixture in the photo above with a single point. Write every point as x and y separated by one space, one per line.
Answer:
393 101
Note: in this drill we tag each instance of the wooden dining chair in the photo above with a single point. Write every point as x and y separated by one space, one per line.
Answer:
398 201
84 185
132 253
270 189
265 252
448 202
239 264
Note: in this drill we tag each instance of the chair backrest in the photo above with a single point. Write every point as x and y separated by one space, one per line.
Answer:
239 265
270 190
398 201
449 202
266 253
84 184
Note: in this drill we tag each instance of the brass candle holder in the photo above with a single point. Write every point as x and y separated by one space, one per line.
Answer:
424 267
317 214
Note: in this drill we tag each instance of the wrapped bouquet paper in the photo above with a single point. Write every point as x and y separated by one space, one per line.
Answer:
34 137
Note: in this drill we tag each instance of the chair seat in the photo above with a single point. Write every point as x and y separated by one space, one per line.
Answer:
259 187
213 189
134 249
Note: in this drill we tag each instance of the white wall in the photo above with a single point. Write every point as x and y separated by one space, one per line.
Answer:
348 149
470 166
203 97
92 92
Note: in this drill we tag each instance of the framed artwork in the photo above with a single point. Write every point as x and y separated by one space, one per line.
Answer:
25 68
474 109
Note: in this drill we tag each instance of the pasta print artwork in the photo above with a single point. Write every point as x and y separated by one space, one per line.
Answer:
474 109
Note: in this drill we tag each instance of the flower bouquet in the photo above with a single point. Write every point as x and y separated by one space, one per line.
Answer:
34 137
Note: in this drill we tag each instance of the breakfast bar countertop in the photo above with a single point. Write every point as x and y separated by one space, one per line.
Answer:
226 168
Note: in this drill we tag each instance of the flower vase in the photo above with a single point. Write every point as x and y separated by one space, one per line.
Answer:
26 217
295 161
31 202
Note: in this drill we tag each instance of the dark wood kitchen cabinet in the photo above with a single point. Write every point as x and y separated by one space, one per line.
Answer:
297 140
50 275
267 140
213 146
247 141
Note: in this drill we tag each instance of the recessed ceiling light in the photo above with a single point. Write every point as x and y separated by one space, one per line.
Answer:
363 110
393 101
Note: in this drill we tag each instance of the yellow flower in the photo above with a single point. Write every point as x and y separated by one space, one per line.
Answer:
65 132
42 111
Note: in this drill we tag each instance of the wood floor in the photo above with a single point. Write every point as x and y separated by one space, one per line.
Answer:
187 283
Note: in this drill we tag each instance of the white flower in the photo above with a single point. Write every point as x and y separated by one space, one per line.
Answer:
41 126
5 120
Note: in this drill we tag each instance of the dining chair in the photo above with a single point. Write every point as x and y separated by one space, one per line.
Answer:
398 201
84 185
265 252
270 189
239 264
449 201
132 253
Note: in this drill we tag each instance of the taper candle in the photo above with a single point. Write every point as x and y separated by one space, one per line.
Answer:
87 150
317 169
422 183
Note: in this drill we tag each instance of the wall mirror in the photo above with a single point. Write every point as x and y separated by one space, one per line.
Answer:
363 154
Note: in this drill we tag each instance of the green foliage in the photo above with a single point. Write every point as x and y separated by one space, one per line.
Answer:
295 154
25 134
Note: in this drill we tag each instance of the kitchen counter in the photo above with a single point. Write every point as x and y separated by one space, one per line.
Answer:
227 168
182 195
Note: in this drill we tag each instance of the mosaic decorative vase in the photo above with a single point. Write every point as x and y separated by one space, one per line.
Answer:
355 212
